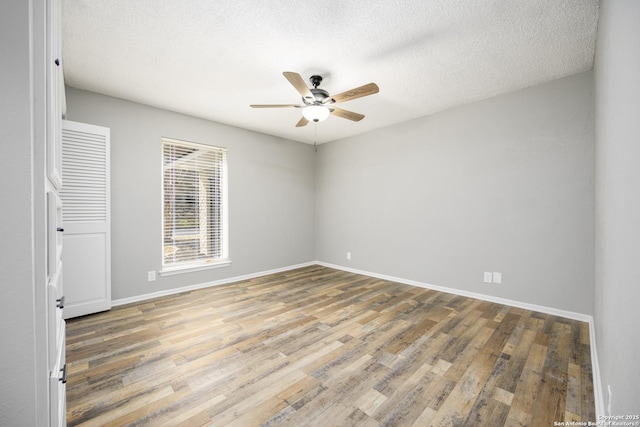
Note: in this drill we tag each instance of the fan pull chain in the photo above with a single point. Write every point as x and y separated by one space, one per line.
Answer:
315 136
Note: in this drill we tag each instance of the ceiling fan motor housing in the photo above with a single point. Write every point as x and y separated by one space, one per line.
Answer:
321 96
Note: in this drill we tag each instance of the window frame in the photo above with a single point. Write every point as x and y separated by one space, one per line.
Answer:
197 264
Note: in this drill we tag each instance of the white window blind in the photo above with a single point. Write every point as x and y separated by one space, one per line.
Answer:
194 204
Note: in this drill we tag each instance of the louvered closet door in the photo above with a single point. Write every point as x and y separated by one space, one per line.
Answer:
86 218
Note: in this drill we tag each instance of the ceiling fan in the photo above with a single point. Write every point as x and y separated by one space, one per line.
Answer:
317 103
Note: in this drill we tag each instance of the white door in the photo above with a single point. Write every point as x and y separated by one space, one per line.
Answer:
56 362
86 218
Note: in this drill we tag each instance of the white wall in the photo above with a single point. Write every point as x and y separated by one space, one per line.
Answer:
617 215
271 193
18 382
504 184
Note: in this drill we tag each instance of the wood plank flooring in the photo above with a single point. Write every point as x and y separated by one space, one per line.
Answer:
322 347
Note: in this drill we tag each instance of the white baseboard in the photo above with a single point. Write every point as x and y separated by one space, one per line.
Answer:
595 367
174 291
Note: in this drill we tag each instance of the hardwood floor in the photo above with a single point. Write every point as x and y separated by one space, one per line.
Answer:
322 347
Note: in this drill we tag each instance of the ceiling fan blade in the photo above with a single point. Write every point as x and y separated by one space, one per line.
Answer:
359 92
298 82
302 122
275 106
346 114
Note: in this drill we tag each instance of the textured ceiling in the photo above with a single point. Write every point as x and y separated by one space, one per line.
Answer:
211 59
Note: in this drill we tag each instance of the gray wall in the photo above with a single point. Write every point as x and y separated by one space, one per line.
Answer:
18 366
504 184
617 218
271 193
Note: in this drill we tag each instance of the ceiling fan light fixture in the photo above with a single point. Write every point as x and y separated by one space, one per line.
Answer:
315 113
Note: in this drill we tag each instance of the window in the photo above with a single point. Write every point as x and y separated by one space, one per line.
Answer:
194 206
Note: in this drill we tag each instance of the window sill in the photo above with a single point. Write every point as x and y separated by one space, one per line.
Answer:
170 271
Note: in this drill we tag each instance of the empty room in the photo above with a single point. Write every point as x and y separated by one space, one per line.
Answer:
411 213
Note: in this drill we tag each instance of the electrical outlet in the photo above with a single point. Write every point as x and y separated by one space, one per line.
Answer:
151 276
487 277
348 256
497 277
